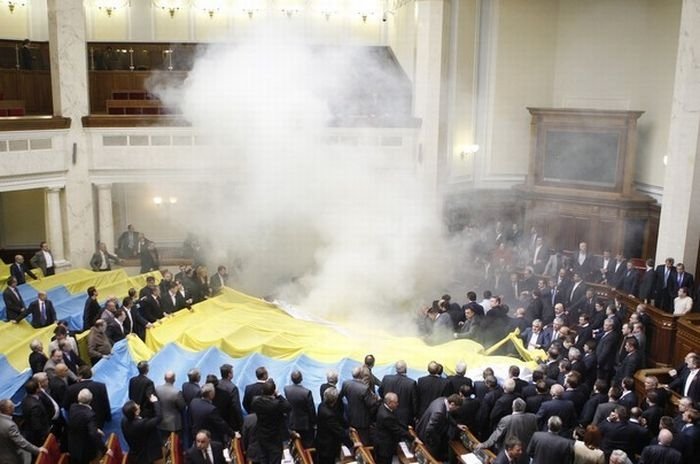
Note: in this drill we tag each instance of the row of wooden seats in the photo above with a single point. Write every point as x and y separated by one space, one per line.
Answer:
139 107
132 95
12 108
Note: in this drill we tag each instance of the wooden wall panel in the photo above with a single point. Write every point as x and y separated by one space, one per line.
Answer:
34 87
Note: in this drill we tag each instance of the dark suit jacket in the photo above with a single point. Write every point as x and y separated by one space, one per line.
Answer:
407 391
37 361
686 280
234 416
270 411
35 311
195 456
564 409
14 305
678 385
429 387
303 414
628 400
190 391
204 415
143 437
548 448
330 434
502 407
605 350
100 401
647 286
629 283
590 407
18 270
388 432
543 339
36 420
617 435
151 308
615 278
251 391
91 312
361 403
166 302
84 442
432 428
576 297
665 289
657 454
630 364
140 390
533 403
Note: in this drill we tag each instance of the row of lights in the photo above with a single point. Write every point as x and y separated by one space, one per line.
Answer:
213 6
160 200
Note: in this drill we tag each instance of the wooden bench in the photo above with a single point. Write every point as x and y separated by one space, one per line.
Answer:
132 95
144 106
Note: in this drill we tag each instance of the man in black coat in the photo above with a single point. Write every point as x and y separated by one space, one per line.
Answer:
18 269
100 401
15 309
389 430
605 350
511 453
85 440
632 361
42 311
550 447
430 387
37 422
433 425
330 432
141 434
680 383
270 407
666 289
557 406
204 450
302 418
191 388
254 389
406 390
205 416
141 388
661 453
361 404
235 414
647 284
617 433
629 284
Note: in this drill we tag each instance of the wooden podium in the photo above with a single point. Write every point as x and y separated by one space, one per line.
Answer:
579 183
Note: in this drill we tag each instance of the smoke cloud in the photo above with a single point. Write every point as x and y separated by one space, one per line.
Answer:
342 231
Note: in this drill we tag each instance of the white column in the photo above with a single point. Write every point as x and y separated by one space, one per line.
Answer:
105 215
69 86
55 223
430 90
679 229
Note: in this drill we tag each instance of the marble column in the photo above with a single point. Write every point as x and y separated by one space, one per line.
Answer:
69 85
679 228
55 223
430 89
105 215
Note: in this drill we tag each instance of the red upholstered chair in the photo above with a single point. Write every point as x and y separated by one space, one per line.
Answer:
150 110
117 454
113 110
120 95
3 112
54 451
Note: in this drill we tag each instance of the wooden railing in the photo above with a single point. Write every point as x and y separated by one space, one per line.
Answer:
421 452
664 336
363 454
300 455
236 451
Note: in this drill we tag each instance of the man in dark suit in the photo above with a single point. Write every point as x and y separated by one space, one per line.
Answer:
205 416
684 279
681 383
429 387
37 422
511 453
254 389
616 271
302 418
632 361
85 440
540 256
362 403
389 430
629 284
558 406
99 401
549 447
151 307
504 403
576 294
583 263
141 388
666 288
406 390
141 434
42 311
173 300
14 304
270 407
204 450
191 388
330 432
605 350
661 453
617 433
598 397
647 285
234 416
433 425
92 309
19 269
534 337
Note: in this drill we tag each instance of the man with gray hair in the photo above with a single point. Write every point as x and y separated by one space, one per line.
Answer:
549 447
619 457
204 415
389 430
13 446
405 388
520 424
564 410
362 404
172 405
85 440
504 404
458 379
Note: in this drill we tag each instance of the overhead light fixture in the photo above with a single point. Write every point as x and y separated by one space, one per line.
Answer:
12 4
365 14
209 6
172 200
158 201
110 6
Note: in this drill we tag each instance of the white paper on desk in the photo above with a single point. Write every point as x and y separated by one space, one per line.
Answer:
227 456
405 450
470 458
345 451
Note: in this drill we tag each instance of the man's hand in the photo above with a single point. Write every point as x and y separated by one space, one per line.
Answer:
153 398
43 450
110 453
478 446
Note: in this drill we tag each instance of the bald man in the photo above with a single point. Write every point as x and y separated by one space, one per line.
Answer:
42 311
172 405
389 430
558 406
661 453
18 269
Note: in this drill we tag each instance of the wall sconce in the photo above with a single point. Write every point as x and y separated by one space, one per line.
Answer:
209 6
171 6
12 4
250 12
327 13
159 201
109 6
290 12
365 14
665 160
468 150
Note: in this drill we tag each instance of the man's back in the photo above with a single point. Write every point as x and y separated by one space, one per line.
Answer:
550 448
303 414
405 389
429 387
172 404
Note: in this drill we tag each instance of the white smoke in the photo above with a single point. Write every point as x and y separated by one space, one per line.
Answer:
347 231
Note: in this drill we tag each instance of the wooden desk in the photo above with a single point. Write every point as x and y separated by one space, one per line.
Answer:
421 454
460 448
363 454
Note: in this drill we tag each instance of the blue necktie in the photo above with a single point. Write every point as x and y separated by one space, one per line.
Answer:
43 312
